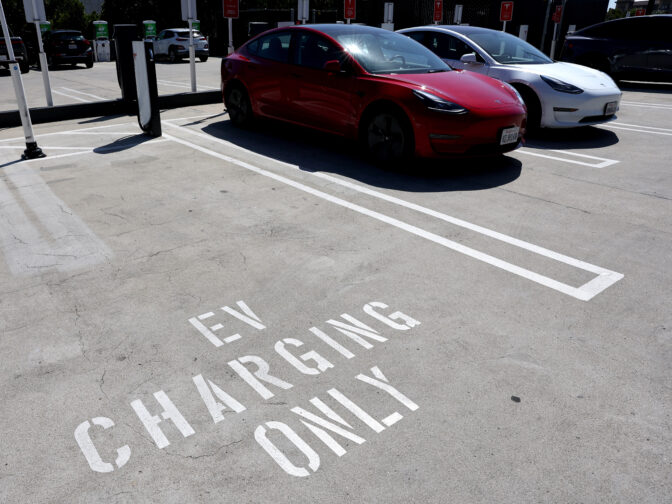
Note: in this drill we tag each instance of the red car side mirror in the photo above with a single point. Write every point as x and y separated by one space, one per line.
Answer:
332 66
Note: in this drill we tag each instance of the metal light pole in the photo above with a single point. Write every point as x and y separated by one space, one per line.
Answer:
32 150
543 35
44 68
192 55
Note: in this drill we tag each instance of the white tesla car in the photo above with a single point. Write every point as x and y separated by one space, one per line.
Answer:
557 95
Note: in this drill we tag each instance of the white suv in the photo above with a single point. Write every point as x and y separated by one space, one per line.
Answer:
174 44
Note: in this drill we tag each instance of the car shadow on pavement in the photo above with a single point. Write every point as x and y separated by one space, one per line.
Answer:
587 137
314 151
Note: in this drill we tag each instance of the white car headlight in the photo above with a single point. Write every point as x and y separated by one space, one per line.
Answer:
561 86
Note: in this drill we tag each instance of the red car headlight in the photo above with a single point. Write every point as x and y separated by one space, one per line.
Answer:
433 102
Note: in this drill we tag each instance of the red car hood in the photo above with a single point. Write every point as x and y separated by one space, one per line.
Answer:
469 89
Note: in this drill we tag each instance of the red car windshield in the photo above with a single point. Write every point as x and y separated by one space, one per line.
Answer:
382 52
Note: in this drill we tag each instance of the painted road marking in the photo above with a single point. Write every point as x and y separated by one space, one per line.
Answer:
99 98
603 164
184 85
84 100
605 278
639 128
319 418
83 131
50 147
663 106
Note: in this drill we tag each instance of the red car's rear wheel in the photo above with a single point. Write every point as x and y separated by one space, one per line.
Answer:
239 107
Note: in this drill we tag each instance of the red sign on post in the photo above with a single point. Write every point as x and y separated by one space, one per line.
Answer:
557 15
506 12
640 12
438 11
350 9
230 8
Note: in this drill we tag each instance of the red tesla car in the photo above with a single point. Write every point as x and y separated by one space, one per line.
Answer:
388 91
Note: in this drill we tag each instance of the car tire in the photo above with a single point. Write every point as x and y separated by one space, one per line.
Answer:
533 108
203 58
238 106
24 67
89 64
388 137
172 55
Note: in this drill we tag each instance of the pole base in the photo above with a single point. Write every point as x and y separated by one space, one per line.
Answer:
32 151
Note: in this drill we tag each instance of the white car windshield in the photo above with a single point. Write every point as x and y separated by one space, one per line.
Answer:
508 49
388 53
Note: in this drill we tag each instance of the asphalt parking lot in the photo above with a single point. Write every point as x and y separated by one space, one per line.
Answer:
224 315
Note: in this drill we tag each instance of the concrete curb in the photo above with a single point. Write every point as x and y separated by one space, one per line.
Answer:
40 115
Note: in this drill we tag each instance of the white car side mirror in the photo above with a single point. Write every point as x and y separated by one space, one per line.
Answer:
470 58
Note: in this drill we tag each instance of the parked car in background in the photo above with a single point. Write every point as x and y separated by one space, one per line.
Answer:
173 44
557 95
20 53
67 47
636 48
394 95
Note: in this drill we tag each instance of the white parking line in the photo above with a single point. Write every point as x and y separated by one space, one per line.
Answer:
184 85
639 128
99 98
50 147
84 100
603 164
647 105
585 292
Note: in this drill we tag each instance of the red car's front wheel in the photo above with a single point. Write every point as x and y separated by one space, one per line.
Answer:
388 137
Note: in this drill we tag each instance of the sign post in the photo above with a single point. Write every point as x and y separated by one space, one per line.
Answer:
388 16
303 10
506 13
557 16
438 11
457 19
189 15
349 10
230 10
32 150
34 10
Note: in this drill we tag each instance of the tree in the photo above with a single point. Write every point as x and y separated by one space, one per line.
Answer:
614 14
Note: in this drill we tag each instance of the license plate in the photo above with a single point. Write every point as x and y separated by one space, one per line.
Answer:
610 108
72 46
509 135
3 57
